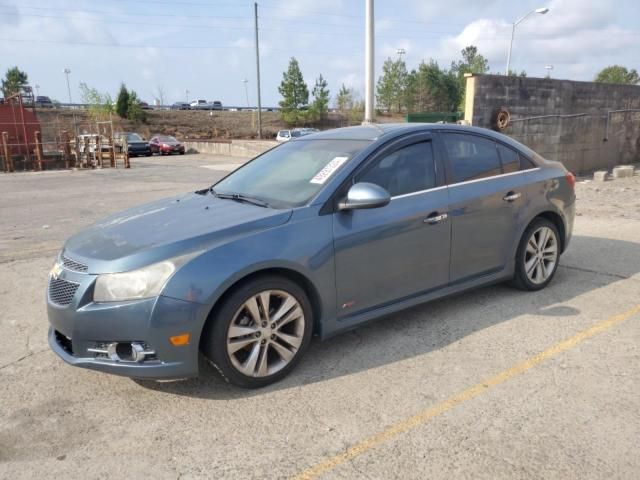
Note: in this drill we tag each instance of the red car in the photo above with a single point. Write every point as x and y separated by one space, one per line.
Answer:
166 145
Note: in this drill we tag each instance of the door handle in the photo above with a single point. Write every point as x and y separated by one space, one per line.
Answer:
511 196
436 218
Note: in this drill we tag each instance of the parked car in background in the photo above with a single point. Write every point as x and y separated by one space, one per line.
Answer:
286 135
217 105
145 106
180 106
317 235
135 143
199 105
43 102
165 145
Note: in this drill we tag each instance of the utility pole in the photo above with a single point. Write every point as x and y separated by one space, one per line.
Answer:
368 64
258 72
37 90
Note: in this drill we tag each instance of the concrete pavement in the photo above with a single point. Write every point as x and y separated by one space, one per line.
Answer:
574 415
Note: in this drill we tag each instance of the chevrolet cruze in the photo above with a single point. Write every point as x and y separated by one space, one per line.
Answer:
315 236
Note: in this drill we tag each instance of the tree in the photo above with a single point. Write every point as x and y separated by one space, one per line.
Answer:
472 62
15 80
135 113
618 74
122 101
100 104
430 88
320 104
294 91
514 73
390 90
344 100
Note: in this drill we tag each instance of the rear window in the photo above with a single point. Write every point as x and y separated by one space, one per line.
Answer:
512 161
471 157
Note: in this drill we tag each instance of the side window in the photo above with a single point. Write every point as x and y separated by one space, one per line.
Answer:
510 159
471 157
407 170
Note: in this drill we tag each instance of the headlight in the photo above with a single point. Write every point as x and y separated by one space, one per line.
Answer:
145 282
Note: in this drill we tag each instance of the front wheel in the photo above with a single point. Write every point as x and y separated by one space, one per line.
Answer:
260 332
538 255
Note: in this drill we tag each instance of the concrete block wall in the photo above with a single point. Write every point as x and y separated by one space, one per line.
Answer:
576 135
233 148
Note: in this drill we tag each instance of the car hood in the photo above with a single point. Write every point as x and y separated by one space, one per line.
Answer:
167 228
137 144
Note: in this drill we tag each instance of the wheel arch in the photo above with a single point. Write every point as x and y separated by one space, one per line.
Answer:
558 221
289 273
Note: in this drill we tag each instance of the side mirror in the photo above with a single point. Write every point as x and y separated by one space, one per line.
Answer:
365 195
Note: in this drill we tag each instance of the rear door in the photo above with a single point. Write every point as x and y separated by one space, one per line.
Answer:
385 254
485 203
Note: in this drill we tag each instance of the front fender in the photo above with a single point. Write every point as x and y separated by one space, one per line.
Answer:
207 277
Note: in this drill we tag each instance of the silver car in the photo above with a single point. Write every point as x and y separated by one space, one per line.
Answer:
316 236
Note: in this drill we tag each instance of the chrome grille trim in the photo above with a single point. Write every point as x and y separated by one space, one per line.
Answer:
61 291
72 265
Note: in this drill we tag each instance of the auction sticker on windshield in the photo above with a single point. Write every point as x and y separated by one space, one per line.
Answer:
328 170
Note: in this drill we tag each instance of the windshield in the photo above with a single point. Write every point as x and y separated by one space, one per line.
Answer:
293 173
167 138
134 137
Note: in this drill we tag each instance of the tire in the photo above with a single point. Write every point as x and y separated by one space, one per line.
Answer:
249 354
536 267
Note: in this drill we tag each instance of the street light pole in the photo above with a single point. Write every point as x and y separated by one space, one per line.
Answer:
369 63
246 90
67 72
541 11
37 90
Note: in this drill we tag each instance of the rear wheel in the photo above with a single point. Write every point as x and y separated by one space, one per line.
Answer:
260 332
538 255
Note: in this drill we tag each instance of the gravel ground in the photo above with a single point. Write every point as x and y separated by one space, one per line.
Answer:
613 198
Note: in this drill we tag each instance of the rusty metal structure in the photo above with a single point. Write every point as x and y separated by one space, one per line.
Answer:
26 144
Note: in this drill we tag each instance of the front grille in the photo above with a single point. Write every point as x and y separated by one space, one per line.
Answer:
70 264
61 291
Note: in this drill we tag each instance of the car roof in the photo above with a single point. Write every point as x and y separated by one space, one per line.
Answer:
376 131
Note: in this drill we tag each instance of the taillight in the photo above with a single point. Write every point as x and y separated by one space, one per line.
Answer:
571 180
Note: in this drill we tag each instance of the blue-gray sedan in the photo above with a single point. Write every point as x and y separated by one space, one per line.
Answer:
317 235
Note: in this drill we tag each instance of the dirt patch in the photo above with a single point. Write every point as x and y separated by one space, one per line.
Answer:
187 124
619 198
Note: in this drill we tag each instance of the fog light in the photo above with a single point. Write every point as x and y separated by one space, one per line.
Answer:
127 352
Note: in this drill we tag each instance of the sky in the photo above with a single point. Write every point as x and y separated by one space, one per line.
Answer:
207 46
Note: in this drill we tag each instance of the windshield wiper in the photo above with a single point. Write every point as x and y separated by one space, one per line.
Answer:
239 197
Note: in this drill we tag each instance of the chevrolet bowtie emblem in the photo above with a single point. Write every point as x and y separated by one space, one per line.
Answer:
55 271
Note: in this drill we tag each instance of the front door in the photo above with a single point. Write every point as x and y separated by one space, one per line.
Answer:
386 254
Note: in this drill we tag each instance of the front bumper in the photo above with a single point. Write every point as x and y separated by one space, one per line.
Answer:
83 325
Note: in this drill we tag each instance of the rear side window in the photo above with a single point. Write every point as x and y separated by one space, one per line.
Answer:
513 161
406 170
471 157
510 159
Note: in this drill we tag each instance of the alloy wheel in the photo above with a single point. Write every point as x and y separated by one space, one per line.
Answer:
541 255
265 333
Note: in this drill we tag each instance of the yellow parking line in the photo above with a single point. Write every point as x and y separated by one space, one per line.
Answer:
468 394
